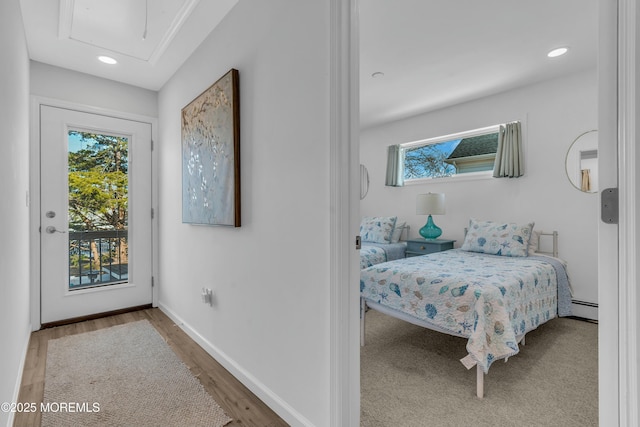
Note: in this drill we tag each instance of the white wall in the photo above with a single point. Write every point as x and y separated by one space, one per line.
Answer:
270 321
553 114
59 83
14 175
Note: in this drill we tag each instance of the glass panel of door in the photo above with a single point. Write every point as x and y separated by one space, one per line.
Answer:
98 196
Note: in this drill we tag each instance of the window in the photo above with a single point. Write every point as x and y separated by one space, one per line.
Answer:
464 152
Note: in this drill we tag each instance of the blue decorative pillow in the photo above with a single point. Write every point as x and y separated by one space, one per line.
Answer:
506 239
377 229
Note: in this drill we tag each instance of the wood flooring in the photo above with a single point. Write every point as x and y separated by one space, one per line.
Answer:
237 401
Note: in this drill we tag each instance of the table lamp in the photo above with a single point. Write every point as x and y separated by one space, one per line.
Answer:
430 204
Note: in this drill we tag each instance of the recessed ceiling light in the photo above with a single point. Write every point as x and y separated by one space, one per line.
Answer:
377 74
557 52
107 60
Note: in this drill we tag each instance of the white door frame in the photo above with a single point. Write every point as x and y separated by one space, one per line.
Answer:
608 240
618 306
34 193
628 296
344 358
617 274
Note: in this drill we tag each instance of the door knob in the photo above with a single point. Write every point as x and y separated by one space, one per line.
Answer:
51 229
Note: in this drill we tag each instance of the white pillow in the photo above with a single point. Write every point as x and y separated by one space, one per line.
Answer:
377 229
397 231
505 239
533 242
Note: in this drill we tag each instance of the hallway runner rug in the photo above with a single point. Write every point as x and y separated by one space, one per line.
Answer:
125 375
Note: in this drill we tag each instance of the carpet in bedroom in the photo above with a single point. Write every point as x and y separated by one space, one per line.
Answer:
411 376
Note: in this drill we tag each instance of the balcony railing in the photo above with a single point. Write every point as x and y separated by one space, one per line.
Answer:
98 258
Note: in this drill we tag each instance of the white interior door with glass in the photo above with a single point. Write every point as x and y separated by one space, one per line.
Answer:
95 219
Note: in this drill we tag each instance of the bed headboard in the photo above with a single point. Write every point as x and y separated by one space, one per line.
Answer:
405 233
543 244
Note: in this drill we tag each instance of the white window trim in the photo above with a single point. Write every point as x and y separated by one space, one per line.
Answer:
465 176
458 135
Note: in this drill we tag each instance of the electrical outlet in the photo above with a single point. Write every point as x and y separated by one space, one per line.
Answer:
207 296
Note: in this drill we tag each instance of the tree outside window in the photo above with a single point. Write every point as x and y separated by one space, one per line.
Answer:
450 157
98 191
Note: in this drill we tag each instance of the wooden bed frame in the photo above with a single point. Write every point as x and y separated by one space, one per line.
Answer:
467 361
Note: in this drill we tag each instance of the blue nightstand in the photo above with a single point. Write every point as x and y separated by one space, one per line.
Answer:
416 247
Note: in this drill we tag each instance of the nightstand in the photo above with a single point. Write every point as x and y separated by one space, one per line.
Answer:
421 246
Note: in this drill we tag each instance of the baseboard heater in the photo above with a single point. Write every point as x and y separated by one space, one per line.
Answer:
585 303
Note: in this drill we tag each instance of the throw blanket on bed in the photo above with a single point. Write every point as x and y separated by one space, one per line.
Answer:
491 300
375 253
371 255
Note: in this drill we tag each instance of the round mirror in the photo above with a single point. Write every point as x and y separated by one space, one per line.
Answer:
364 181
582 162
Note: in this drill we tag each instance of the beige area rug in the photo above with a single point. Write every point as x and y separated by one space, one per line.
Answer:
411 376
126 375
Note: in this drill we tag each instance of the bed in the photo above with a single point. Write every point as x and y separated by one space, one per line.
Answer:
376 253
492 291
382 240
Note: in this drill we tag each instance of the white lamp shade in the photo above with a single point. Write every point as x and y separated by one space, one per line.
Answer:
430 204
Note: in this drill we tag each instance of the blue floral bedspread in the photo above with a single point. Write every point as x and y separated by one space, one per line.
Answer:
371 255
491 300
376 253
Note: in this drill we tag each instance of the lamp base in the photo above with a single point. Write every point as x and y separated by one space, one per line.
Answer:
430 230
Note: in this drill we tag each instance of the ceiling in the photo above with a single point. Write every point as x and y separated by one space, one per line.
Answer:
433 53
438 53
73 33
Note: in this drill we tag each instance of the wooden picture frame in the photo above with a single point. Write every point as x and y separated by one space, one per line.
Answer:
211 155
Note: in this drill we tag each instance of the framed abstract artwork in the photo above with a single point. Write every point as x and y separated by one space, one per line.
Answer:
211 155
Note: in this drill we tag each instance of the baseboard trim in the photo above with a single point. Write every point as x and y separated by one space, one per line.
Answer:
18 385
271 399
586 303
585 310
